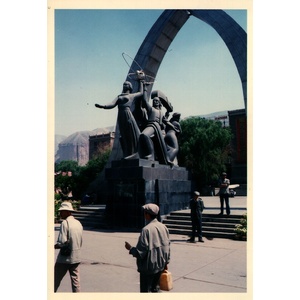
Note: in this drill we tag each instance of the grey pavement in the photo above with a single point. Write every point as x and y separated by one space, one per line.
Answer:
238 205
215 266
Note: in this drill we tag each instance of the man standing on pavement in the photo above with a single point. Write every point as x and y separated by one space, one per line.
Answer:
70 235
224 193
196 206
152 251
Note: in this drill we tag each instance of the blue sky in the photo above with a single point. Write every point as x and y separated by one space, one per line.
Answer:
197 74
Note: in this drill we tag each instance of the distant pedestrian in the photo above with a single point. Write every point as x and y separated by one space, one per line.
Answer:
224 183
196 206
152 251
69 238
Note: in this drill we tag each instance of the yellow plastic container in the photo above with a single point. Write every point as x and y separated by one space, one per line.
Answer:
165 281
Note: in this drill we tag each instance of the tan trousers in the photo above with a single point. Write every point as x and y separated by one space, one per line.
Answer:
60 271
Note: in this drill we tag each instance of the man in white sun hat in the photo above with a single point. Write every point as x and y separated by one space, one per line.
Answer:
152 251
69 242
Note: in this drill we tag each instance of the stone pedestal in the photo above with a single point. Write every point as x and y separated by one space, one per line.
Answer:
133 183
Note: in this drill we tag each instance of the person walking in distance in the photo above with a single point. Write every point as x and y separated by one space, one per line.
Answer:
152 251
69 242
224 183
196 206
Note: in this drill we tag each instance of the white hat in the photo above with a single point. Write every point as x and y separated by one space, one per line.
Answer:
66 206
151 209
196 193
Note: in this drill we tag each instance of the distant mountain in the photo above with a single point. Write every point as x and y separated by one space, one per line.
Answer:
220 115
58 139
215 114
76 146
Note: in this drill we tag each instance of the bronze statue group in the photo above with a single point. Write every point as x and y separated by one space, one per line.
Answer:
145 130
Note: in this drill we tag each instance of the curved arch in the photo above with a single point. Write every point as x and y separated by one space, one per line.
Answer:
234 37
165 29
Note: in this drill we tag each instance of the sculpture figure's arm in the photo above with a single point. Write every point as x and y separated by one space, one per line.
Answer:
145 102
142 89
108 106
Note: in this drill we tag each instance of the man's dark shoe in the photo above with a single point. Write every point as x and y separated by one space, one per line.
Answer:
191 240
201 240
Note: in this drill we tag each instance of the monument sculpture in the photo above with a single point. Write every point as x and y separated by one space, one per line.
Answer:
147 170
150 143
129 129
173 129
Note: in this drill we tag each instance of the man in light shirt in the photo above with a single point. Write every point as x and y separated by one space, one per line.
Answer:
224 183
152 251
70 235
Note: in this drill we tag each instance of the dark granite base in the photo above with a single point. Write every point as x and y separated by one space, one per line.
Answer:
132 183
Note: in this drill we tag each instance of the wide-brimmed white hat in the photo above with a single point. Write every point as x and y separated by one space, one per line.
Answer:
66 206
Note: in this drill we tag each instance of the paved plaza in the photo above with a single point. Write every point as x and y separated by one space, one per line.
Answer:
215 266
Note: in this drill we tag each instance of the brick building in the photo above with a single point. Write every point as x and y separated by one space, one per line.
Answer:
99 143
238 164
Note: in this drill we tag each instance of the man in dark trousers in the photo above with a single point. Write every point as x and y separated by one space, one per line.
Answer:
152 250
224 183
196 206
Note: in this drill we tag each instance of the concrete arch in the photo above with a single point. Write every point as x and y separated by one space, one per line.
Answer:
165 29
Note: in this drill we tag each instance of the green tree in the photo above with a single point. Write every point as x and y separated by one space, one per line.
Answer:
204 148
63 181
92 169
68 165
81 177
